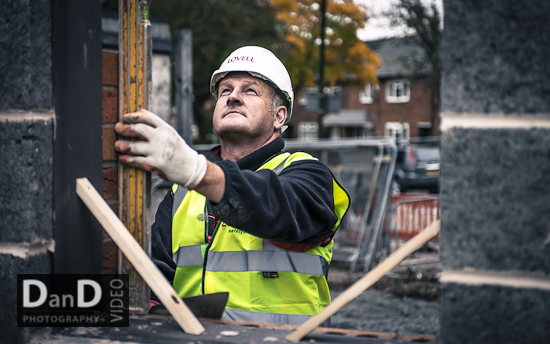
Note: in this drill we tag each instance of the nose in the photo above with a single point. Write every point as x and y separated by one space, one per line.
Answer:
234 98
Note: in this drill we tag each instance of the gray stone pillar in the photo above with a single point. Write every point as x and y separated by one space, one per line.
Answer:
495 172
50 134
26 152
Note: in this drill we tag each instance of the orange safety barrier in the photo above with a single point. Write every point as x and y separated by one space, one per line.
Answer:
411 213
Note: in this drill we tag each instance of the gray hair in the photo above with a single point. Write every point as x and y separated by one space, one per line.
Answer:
276 100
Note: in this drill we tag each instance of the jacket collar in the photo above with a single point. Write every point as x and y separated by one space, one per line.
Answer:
255 159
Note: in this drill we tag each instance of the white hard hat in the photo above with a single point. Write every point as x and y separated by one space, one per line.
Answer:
261 63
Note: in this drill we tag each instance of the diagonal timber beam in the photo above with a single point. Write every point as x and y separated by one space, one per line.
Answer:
366 281
137 257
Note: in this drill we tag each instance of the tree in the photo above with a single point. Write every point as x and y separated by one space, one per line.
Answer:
425 22
287 27
347 59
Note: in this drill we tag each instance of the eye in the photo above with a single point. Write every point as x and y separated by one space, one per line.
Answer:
251 91
224 91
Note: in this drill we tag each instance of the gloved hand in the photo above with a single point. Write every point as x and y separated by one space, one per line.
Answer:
164 151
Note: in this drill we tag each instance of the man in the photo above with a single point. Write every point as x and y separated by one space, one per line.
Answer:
256 222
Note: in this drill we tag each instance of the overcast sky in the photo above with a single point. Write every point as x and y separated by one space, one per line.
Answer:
377 27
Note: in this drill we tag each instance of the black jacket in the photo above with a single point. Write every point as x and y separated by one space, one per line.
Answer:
294 207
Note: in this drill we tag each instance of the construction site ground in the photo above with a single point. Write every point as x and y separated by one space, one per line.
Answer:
403 307
405 301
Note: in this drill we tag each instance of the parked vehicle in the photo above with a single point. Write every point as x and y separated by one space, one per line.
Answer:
417 167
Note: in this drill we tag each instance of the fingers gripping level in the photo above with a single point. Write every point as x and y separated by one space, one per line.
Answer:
165 150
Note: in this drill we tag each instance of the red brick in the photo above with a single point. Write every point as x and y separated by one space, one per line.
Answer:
110 171
110 253
418 109
110 105
109 138
110 182
110 68
113 203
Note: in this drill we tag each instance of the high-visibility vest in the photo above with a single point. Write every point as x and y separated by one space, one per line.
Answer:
265 283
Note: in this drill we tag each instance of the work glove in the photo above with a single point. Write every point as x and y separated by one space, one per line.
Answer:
161 149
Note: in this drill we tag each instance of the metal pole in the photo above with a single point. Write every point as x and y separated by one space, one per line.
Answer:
322 98
184 84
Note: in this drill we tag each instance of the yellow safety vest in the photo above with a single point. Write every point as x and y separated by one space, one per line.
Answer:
265 283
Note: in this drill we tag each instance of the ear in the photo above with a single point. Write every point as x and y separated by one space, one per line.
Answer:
280 117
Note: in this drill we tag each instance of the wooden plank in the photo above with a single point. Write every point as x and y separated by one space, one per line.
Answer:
137 257
366 281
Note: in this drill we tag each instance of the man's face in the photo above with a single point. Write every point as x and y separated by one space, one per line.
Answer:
242 109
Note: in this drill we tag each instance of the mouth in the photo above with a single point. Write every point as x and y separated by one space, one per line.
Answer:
233 112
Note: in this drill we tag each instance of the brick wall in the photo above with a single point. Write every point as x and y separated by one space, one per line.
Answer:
418 109
110 163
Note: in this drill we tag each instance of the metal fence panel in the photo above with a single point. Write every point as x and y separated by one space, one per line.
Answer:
410 215
365 169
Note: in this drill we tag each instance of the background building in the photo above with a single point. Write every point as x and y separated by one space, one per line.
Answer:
401 97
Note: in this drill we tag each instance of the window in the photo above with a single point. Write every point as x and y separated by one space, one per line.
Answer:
399 132
335 133
307 130
398 91
424 129
368 94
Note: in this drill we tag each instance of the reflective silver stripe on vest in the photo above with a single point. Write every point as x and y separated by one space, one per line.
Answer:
277 261
276 318
188 256
179 195
280 167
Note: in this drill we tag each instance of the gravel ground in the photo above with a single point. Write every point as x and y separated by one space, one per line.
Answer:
405 301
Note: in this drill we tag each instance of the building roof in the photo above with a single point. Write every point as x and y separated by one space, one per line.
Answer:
390 50
349 118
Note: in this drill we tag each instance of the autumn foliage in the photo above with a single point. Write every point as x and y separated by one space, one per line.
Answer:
290 28
347 59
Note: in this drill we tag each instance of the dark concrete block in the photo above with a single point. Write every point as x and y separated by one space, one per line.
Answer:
494 314
495 57
26 55
11 266
26 180
495 212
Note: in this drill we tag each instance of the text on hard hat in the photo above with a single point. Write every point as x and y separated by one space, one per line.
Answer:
241 58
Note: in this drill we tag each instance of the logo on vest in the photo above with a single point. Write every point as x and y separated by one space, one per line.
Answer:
241 58
236 231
